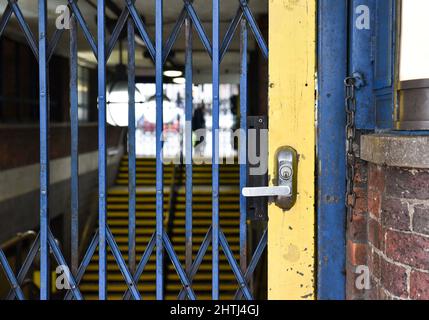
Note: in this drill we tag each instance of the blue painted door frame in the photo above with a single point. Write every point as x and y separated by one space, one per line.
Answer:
353 36
372 53
332 69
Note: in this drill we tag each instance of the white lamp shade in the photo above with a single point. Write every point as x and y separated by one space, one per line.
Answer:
414 55
117 105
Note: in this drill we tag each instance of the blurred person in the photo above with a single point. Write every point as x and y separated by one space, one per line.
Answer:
199 124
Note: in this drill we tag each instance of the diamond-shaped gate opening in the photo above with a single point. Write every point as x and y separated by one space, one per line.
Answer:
10 276
14 17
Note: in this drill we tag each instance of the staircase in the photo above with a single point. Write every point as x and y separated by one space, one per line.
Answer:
117 206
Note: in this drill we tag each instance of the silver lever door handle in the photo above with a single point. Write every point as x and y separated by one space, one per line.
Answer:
284 191
275 191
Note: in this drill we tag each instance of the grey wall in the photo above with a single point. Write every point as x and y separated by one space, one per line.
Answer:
21 212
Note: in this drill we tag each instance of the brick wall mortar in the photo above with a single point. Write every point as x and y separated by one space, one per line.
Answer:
397 235
407 268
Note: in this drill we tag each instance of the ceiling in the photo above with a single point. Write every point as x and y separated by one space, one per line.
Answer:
202 64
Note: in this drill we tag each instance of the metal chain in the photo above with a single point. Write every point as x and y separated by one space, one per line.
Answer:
350 105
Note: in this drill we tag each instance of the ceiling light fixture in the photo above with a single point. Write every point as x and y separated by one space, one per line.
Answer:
173 73
179 80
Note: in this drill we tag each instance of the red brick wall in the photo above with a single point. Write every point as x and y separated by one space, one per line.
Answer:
390 233
357 232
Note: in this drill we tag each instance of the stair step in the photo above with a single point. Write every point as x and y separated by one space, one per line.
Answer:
117 217
167 183
175 239
196 174
206 266
152 277
176 222
179 206
179 199
111 258
177 248
175 231
204 190
113 297
151 287
197 215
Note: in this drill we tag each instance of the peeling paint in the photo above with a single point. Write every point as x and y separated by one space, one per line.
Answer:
292 253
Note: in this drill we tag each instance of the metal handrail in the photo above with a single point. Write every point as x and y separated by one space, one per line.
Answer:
18 238
177 173
174 185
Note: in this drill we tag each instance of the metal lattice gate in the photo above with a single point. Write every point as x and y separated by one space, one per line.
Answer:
159 51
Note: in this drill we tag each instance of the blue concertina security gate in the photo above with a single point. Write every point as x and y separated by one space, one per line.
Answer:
132 268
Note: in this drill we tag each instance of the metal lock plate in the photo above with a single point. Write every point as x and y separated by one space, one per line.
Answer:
286 170
284 189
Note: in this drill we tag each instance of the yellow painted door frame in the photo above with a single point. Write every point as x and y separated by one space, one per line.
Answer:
292 67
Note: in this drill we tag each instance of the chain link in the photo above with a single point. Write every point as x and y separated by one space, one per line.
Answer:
350 105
